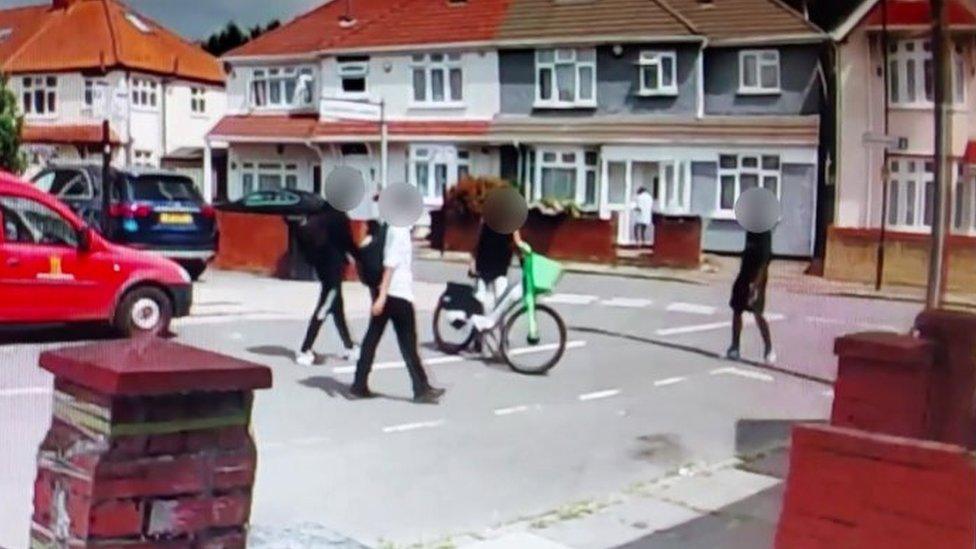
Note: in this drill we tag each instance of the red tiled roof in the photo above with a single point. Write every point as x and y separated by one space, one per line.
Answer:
74 134
302 128
913 13
98 34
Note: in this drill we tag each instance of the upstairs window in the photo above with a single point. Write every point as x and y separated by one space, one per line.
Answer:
739 173
759 72
657 73
437 78
90 85
282 87
911 73
40 95
144 93
198 100
565 77
352 76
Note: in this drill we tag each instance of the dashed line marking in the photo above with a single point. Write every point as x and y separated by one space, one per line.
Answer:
510 410
825 320
742 372
570 299
627 302
691 308
599 394
711 326
879 327
308 441
449 359
413 426
669 381
25 391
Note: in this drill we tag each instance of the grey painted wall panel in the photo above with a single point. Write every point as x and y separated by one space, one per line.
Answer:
801 90
617 83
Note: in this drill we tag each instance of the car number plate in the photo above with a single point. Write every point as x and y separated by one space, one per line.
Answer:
175 218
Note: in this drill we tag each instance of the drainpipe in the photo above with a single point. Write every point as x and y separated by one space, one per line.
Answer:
882 236
700 78
207 171
941 204
321 156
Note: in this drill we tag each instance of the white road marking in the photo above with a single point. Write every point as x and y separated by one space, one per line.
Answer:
732 370
825 320
879 327
627 302
411 426
864 325
669 381
236 336
220 319
711 326
691 308
511 410
308 441
25 391
570 299
600 394
450 359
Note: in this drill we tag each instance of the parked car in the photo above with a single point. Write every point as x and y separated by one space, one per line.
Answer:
157 211
54 268
288 202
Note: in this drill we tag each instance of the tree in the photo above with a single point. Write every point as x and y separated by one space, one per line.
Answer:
231 36
11 123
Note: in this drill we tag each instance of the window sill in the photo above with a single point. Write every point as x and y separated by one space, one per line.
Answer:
456 105
758 92
956 107
47 117
563 106
657 93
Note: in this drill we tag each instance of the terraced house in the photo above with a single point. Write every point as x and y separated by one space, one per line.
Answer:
575 100
62 57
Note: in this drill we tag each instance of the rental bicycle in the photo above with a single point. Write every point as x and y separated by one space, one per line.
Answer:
529 336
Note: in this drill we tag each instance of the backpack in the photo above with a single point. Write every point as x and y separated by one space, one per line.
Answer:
370 265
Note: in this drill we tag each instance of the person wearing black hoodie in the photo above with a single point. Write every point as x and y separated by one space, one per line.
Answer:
326 241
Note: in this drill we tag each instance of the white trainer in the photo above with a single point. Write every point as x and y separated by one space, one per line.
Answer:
352 354
305 359
770 358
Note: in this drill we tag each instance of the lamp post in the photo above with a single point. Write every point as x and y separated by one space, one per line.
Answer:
943 142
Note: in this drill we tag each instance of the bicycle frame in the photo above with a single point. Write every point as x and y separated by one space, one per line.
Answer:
524 292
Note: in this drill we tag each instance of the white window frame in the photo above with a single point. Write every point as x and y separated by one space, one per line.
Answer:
911 74
904 173
254 169
456 162
144 93
279 77
143 158
653 61
352 69
678 201
762 173
47 86
562 57
556 158
763 58
198 101
88 97
428 64
964 201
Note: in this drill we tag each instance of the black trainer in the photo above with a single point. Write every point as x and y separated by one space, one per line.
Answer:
431 396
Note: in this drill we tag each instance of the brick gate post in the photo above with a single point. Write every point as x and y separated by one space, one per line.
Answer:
149 447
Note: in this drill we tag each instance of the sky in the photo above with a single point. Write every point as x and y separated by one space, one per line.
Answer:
197 19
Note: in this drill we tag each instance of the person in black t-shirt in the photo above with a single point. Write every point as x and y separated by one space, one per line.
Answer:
490 261
749 292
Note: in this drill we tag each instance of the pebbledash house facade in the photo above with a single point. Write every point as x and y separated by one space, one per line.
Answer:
583 101
62 56
895 188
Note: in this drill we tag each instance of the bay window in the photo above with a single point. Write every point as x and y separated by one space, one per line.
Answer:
90 85
268 176
911 73
435 168
911 188
565 77
657 73
145 93
738 173
567 175
40 95
282 87
759 72
437 78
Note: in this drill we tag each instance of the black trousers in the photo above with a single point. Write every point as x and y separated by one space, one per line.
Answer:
330 303
401 313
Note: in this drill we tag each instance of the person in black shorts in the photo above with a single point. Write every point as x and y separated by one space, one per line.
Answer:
490 261
749 292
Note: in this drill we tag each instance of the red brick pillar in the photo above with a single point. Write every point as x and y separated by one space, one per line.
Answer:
953 410
883 383
149 447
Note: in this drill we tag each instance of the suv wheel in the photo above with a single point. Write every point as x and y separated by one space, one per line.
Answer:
144 311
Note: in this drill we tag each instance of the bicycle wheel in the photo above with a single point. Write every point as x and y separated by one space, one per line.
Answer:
453 331
533 356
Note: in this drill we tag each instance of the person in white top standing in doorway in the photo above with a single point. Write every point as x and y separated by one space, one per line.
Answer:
400 205
643 205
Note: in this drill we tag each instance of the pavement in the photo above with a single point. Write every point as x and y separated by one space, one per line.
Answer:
642 436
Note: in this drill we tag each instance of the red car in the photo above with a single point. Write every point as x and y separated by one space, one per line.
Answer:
55 269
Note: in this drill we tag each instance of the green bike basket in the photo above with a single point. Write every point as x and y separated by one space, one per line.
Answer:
545 273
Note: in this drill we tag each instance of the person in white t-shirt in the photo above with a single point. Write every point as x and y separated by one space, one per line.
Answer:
643 206
393 301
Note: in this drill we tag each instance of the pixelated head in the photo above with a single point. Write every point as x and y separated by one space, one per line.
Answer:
344 188
505 210
757 210
401 205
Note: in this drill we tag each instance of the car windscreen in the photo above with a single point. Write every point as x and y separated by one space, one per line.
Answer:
162 188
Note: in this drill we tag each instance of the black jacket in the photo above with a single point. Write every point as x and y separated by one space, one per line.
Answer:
325 240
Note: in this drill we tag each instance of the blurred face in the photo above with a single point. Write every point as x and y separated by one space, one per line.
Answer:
757 210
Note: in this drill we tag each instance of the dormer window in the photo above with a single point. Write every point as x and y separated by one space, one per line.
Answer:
565 78
353 71
138 23
759 72
282 87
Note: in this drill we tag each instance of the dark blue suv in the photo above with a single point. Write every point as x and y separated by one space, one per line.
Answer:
153 210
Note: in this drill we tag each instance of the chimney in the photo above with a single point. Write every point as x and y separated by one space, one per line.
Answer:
63 4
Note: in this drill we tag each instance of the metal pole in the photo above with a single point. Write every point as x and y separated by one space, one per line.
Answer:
384 146
879 264
943 141
106 175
